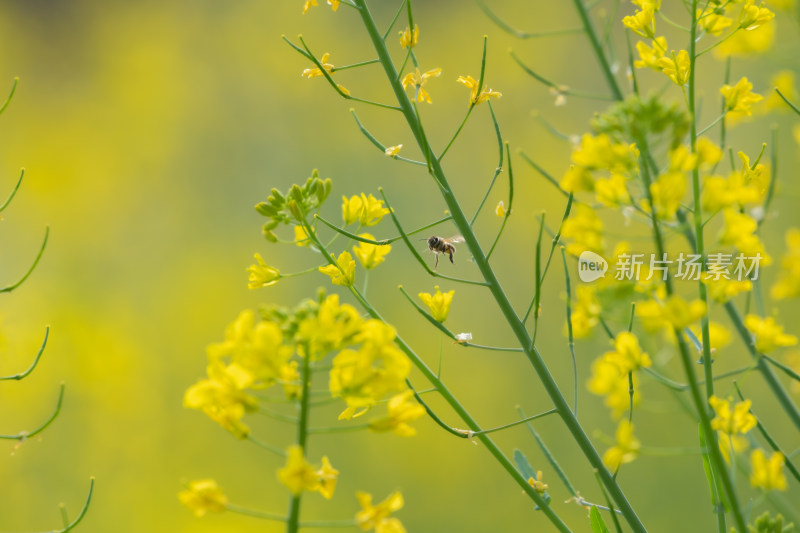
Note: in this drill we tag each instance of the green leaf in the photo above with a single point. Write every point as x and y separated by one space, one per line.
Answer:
596 521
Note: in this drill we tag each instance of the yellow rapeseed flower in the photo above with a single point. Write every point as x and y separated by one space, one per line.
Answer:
222 400
626 449
677 67
418 80
585 229
675 313
500 210
733 422
788 283
753 16
767 474
708 153
402 409
537 483
650 57
610 381
300 236
315 71
308 5
392 151
740 98
712 22
475 98
366 210
377 516
262 275
667 191
740 231
370 255
628 354
202 496
298 474
438 303
768 334
642 22
612 191
327 476
585 312
343 272
408 39
723 290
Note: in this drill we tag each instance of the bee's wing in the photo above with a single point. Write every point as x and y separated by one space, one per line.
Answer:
455 239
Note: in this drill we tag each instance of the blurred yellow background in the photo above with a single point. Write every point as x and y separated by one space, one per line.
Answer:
149 130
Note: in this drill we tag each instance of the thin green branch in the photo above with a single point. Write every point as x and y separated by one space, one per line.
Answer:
272 449
560 88
8 100
382 242
379 144
588 28
23 435
83 512
549 456
498 169
394 20
570 338
509 209
520 34
512 424
356 65
438 325
13 191
543 173
790 104
9 288
23 375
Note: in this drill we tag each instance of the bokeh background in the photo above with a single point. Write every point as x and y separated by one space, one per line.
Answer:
150 129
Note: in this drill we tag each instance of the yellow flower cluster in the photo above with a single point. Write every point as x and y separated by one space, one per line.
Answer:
378 517
610 372
298 475
366 210
476 98
625 450
731 424
766 473
202 496
438 303
769 336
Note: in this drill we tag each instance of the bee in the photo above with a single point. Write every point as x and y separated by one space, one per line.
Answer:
439 245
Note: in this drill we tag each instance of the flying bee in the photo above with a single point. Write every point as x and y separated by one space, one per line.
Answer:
439 245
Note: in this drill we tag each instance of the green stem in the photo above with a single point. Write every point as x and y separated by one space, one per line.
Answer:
13 191
24 374
293 522
9 288
22 435
598 49
518 328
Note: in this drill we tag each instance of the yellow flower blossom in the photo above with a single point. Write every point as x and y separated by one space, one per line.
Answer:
740 98
332 329
537 483
745 43
402 409
301 237
586 311
736 422
377 516
585 229
768 334
610 381
475 98
719 335
409 39
308 5
221 400
642 22
767 474
367 210
262 275
315 71
612 191
783 81
327 476
602 153
788 283
365 375
708 153
650 57
626 449
577 178
370 255
677 67
202 496
500 210
675 313
418 80
343 272
438 303
392 151
723 290
731 444
628 354
334 4
739 230
298 474
667 191
753 16
712 22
